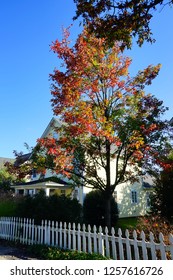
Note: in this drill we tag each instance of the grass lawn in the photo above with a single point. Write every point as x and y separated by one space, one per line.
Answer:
126 223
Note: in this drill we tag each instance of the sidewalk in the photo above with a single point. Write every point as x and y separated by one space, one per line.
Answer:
13 253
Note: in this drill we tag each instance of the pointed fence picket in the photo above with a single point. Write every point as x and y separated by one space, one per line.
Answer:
127 246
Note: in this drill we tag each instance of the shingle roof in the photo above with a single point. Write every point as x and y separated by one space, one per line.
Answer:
21 159
49 179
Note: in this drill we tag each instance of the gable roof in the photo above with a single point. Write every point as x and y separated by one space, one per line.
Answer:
49 179
21 159
54 122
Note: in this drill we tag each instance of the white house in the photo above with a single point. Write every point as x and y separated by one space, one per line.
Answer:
132 199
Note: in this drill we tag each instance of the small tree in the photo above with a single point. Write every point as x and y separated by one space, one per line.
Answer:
6 180
106 116
161 200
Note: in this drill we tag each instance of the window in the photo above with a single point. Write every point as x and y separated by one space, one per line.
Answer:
75 194
134 196
62 192
55 135
148 200
34 173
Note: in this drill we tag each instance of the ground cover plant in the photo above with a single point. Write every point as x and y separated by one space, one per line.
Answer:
53 253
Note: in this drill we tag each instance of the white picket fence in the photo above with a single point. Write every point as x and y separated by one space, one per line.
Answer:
85 239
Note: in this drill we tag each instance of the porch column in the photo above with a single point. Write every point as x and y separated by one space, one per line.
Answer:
25 192
81 198
34 191
47 191
16 191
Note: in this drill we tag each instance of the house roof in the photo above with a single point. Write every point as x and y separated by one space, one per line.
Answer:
147 185
148 182
21 159
50 180
54 122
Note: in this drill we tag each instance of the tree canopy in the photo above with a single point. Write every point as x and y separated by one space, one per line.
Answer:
106 115
6 179
119 20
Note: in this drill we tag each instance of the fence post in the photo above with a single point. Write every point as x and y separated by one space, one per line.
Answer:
48 233
120 244
128 248
95 239
89 239
79 238
53 234
84 238
65 235
56 234
107 242
32 231
60 235
45 232
144 248
113 241
101 241
171 245
136 245
23 231
74 236
152 246
69 236
162 246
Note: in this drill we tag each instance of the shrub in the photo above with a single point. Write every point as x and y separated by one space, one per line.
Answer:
155 224
8 204
53 253
53 208
161 200
94 209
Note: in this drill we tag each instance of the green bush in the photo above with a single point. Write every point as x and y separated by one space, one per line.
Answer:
94 209
8 205
161 199
52 253
53 208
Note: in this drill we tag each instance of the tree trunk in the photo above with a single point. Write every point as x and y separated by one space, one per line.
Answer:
108 212
108 195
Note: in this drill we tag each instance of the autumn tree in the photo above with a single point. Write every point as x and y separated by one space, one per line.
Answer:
21 167
110 128
119 20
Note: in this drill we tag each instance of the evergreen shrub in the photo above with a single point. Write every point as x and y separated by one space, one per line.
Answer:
94 209
53 208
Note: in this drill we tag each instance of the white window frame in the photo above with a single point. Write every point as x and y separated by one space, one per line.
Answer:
134 196
148 200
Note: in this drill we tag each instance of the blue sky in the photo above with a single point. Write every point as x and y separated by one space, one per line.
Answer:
27 29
